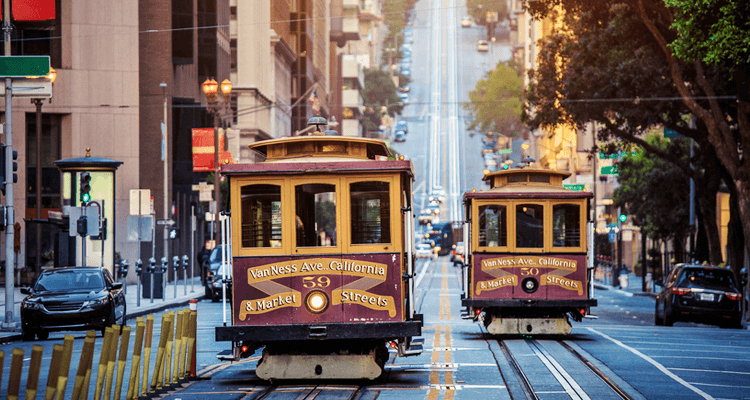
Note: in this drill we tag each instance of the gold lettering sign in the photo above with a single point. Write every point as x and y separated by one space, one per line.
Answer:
529 261
371 274
317 266
270 303
364 298
565 283
507 280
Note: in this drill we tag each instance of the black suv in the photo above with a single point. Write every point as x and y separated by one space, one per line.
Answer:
699 293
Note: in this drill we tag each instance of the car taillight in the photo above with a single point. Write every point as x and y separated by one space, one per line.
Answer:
680 291
732 295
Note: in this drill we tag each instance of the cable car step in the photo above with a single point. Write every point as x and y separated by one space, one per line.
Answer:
226 355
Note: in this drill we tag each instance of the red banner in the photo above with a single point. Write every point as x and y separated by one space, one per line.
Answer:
203 150
32 10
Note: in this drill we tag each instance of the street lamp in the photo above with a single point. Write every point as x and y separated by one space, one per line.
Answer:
51 76
210 89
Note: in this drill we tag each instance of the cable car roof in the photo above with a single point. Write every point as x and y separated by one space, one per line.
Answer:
293 148
527 182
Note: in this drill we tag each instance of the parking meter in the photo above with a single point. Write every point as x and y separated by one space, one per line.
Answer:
184 273
124 274
175 265
138 271
151 269
164 270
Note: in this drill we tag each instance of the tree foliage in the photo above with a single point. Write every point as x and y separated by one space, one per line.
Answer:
716 32
610 63
478 10
654 191
496 103
379 92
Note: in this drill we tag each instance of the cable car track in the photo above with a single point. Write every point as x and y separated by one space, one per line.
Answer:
573 373
312 392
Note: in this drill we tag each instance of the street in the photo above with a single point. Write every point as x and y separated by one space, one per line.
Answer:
460 361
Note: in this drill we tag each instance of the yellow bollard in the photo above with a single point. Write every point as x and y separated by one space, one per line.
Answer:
83 374
176 370
167 381
35 369
62 378
185 339
2 363
159 367
190 362
111 361
54 368
121 360
134 382
16 365
103 358
147 354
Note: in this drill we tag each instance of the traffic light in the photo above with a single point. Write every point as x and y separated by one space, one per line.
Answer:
623 217
85 187
14 155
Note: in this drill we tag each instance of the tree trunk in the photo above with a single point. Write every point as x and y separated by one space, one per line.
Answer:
743 203
735 237
706 200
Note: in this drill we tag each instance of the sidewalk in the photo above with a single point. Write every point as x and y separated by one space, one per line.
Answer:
185 293
634 288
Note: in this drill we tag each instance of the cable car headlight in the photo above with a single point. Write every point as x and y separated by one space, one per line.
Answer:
316 301
529 285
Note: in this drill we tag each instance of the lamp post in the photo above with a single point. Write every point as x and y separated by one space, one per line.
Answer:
210 89
165 159
52 75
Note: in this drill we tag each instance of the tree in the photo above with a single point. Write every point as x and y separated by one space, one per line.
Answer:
379 92
653 191
496 103
595 69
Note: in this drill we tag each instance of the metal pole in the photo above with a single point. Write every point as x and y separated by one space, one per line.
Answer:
217 191
192 248
38 187
165 153
10 217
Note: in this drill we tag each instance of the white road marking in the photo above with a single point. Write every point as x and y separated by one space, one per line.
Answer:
661 368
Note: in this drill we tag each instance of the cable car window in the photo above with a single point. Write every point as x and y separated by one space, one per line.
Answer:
516 178
566 225
371 212
530 225
493 226
539 178
316 215
261 216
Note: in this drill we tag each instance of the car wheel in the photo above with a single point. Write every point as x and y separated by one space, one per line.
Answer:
668 318
658 320
42 335
28 335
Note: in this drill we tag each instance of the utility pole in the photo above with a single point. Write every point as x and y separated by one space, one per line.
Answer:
165 158
10 256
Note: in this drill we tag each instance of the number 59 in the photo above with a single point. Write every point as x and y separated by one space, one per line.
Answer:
311 282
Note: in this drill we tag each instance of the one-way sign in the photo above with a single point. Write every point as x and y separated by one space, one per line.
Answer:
169 222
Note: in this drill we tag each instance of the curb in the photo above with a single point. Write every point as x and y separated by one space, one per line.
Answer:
160 307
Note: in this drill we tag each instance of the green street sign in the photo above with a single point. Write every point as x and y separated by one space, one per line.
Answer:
504 151
671 133
23 66
611 170
605 156
577 187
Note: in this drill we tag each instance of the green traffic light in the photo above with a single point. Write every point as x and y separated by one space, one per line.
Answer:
623 217
86 197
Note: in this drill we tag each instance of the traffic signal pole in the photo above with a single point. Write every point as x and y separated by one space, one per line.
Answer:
10 259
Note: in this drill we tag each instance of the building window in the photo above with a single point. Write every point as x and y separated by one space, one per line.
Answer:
50 152
38 38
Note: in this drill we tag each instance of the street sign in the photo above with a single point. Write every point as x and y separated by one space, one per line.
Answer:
504 151
205 195
140 228
35 88
140 201
671 133
612 235
23 66
168 222
201 186
580 187
607 156
611 170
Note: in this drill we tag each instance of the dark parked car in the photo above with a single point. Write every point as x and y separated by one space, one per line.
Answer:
214 262
699 293
71 298
216 282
